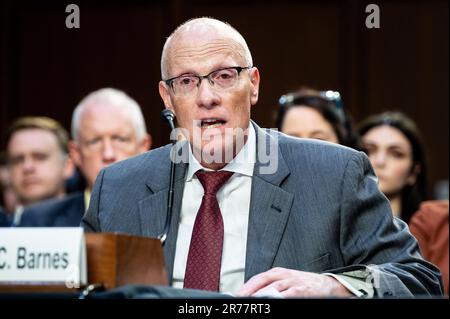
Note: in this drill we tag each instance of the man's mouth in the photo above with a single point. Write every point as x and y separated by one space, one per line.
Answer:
211 123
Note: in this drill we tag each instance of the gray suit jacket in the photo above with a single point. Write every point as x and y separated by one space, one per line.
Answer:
321 210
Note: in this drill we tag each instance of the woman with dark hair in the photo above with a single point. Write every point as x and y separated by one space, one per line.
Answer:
309 113
395 149
394 146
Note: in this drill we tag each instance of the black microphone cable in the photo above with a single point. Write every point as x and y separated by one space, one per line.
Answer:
168 116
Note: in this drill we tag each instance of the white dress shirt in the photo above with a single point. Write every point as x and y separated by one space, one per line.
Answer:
234 203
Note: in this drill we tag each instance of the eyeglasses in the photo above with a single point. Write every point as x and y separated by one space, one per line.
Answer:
223 79
117 143
333 96
299 98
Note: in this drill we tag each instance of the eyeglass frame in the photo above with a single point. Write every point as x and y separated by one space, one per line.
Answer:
169 82
331 96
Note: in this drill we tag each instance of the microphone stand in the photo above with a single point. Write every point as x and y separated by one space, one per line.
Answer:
168 117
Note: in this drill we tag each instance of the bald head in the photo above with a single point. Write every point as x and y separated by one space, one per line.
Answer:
202 31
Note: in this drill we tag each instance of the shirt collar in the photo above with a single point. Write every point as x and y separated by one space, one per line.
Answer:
87 198
243 163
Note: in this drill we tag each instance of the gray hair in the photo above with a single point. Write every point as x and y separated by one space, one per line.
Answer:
207 22
113 97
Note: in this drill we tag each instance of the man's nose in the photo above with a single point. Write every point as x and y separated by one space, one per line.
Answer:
108 152
206 96
29 165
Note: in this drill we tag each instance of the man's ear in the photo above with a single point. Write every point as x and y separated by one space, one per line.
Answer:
254 80
74 153
69 167
165 96
145 144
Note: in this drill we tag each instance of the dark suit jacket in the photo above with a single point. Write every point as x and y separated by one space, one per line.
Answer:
65 212
321 210
3 219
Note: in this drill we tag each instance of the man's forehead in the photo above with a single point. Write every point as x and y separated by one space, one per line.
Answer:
203 27
204 32
100 117
96 109
198 43
209 49
35 132
26 138
202 49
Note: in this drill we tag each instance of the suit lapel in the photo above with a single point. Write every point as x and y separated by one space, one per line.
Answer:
153 209
171 242
270 206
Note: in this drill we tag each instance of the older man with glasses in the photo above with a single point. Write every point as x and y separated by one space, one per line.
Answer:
107 127
317 225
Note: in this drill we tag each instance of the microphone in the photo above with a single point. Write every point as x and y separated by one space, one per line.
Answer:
168 116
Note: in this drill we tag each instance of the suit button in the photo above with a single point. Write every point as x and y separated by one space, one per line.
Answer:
387 293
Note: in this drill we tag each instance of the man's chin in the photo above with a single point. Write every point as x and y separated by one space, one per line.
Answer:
214 153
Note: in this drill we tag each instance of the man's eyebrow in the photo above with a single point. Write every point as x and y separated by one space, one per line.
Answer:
217 67
188 73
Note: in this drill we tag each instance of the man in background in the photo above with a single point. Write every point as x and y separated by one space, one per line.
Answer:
37 161
107 127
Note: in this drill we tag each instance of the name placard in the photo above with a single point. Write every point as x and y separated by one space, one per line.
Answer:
45 255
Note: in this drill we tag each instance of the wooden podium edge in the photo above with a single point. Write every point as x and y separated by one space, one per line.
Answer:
113 260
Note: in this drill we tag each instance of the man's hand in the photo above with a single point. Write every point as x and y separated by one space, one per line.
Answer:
294 283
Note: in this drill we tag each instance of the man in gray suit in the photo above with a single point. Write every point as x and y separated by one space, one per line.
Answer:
293 217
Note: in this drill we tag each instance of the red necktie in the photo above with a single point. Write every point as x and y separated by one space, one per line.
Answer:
205 252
